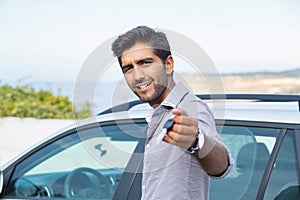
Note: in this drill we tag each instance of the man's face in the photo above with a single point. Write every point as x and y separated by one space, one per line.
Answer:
145 73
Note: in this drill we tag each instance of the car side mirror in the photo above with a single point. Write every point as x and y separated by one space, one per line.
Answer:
1 181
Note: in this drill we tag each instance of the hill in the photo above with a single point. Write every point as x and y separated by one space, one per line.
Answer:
284 82
285 73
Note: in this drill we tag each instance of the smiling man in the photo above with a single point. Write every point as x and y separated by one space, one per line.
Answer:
183 153
147 76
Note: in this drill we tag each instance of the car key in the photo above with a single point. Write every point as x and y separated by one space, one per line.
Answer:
167 126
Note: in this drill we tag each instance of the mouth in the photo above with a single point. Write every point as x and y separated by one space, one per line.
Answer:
143 86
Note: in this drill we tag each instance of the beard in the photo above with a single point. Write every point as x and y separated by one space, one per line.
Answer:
152 89
154 95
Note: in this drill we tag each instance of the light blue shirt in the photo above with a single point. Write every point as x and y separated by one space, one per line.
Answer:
169 172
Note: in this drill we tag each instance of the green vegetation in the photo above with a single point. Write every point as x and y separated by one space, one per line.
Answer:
24 101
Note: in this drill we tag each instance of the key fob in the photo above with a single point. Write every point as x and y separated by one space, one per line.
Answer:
168 125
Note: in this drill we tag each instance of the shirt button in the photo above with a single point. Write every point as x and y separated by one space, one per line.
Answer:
143 187
148 145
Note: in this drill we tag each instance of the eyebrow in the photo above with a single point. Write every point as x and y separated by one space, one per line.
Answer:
139 62
145 60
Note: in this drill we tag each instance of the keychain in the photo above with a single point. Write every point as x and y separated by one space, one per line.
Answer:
167 127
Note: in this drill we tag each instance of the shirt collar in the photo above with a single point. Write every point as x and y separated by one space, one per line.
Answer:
175 96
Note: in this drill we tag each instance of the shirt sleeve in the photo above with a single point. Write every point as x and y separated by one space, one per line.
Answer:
199 109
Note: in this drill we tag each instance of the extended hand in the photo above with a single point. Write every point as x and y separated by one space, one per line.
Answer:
184 130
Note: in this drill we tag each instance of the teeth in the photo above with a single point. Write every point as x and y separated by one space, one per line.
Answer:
143 86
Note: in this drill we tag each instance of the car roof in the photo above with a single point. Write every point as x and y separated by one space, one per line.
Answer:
286 112
246 111
248 107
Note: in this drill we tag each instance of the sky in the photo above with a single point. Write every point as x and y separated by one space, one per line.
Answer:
49 40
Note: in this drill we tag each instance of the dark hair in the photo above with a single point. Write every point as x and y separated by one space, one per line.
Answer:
157 40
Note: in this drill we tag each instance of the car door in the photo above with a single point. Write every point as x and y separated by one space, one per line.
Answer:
94 161
266 161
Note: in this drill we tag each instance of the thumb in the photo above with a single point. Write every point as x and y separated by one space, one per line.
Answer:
177 111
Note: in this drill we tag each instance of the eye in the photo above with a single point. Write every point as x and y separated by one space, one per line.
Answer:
146 63
127 69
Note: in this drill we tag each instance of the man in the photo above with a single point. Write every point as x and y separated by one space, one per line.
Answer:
180 157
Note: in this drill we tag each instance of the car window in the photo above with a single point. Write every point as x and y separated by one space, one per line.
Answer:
250 148
284 182
87 164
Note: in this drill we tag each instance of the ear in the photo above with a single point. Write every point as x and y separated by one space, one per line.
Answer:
169 65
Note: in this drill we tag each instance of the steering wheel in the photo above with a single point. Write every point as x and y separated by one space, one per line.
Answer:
87 183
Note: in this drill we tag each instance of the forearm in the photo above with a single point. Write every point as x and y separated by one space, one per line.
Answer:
213 158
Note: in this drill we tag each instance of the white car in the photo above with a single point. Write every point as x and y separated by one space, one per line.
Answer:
101 157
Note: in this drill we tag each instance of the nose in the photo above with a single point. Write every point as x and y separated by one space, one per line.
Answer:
138 73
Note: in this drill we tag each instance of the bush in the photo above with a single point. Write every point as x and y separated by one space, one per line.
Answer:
24 101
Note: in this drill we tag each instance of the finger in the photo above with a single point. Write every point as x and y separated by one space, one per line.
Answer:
180 138
184 130
184 120
181 142
177 111
170 140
